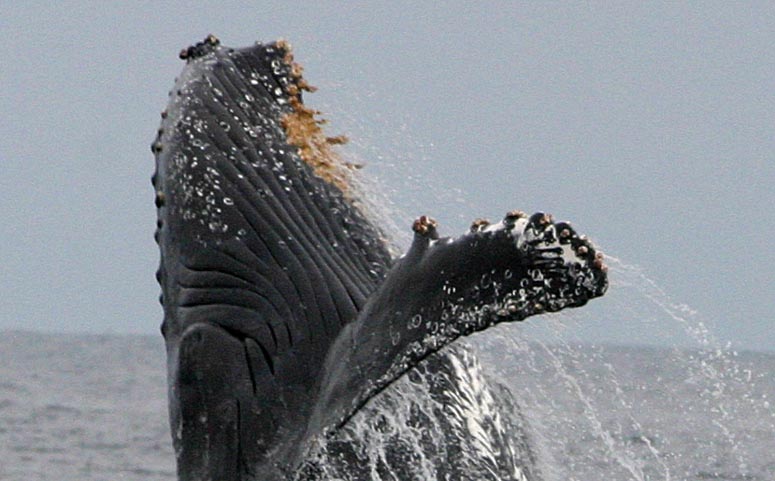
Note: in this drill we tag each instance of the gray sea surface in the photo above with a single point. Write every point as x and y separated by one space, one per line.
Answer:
83 407
86 407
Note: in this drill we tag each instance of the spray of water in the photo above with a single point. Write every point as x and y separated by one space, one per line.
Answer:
697 410
690 409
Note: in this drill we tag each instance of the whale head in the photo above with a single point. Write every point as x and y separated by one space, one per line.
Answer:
284 311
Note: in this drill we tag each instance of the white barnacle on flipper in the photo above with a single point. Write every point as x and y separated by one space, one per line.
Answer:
441 241
548 238
500 226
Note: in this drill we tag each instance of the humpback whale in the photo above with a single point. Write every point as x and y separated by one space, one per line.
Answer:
286 318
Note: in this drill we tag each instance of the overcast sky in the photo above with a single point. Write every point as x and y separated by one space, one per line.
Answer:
649 125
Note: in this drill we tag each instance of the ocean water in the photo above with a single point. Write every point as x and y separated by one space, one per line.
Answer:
642 413
78 407
83 408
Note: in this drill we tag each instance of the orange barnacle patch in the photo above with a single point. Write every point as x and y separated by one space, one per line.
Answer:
303 130
337 140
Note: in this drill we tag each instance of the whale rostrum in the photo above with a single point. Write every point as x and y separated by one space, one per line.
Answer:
284 312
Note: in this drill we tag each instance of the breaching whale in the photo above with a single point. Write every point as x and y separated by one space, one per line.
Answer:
285 315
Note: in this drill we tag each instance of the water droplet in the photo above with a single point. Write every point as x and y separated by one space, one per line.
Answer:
536 274
214 226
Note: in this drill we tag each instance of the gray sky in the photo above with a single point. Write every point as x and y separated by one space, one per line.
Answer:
649 125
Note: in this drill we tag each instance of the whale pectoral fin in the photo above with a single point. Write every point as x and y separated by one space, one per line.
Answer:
263 258
445 288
